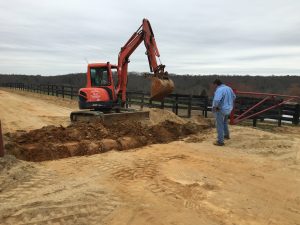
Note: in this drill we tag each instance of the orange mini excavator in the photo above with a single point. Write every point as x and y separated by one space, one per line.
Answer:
103 98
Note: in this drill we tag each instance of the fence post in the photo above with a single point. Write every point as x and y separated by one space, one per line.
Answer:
56 90
254 122
71 92
1 142
162 104
279 116
190 106
143 99
63 91
173 104
126 102
296 114
206 106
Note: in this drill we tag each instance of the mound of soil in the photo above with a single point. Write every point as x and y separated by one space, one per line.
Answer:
78 139
160 115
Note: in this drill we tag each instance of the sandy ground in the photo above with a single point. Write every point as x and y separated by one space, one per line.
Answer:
254 179
27 111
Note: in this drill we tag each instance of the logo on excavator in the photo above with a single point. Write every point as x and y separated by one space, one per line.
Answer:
95 95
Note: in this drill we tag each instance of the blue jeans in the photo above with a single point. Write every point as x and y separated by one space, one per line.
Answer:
222 126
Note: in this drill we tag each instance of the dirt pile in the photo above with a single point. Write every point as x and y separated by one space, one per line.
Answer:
160 115
79 139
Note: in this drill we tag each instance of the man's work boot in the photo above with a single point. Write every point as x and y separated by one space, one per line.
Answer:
226 137
218 143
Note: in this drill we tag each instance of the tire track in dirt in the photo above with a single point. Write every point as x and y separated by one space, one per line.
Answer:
93 205
54 202
77 213
31 186
190 196
147 169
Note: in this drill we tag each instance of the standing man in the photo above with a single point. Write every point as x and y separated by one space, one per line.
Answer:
222 107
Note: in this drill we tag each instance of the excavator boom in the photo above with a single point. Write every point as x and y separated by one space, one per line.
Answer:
161 85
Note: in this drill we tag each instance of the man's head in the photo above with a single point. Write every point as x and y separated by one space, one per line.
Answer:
217 82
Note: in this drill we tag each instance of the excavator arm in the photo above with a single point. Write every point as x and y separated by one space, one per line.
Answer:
161 84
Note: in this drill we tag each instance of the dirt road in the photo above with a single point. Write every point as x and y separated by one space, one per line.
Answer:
254 179
25 113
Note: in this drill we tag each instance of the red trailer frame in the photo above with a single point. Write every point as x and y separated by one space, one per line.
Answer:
265 96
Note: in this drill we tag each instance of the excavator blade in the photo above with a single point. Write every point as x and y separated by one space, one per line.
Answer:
108 118
160 88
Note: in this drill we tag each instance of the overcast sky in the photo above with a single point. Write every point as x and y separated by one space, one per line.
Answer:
51 37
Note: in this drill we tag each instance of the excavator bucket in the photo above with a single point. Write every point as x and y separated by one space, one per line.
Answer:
160 88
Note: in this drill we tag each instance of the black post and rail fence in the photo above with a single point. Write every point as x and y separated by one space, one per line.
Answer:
181 104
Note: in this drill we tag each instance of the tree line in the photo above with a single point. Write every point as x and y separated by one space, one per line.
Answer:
184 84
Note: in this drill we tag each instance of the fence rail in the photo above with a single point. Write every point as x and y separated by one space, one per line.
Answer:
49 89
182 105
177 102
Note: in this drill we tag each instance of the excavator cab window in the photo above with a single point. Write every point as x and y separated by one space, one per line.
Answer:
99 77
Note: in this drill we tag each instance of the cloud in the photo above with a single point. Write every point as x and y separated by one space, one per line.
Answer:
194 36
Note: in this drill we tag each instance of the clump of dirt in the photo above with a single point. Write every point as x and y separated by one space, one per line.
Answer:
79 139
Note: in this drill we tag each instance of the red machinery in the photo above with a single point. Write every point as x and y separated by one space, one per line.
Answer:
102 95
276 101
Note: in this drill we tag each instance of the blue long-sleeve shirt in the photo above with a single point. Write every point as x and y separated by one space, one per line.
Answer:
223 99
